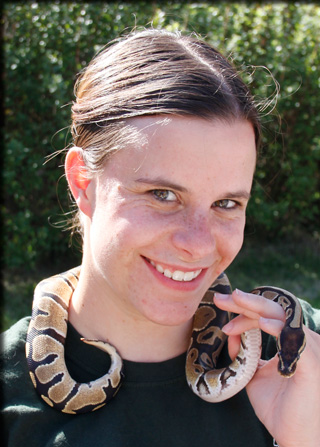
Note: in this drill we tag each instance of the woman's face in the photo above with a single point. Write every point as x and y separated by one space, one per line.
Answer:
167 217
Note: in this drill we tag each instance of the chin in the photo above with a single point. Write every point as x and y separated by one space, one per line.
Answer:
175 316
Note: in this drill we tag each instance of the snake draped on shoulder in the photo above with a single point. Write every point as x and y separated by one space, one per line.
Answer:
48 330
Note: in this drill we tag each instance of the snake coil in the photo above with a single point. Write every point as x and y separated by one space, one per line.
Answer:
207 340
48 329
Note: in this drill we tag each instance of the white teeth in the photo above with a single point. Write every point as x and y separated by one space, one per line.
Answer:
177 275
159 268
188 276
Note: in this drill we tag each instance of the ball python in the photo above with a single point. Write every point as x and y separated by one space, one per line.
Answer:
45 351
207 340
48 330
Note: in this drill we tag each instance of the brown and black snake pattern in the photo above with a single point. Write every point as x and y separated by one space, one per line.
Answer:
48 329
207 340
45 351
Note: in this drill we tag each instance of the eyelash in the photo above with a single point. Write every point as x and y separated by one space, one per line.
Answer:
219 204
161 192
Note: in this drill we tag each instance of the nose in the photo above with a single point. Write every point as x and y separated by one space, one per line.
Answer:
195 237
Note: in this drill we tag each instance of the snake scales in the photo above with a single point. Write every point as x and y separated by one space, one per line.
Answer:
48 328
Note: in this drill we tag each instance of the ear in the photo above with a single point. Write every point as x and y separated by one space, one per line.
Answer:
78 182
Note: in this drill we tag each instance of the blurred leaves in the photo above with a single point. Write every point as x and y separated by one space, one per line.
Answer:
47 44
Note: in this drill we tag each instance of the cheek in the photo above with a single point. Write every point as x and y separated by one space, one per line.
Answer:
230 241
119 230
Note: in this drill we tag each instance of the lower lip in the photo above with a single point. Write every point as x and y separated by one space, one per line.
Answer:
176 285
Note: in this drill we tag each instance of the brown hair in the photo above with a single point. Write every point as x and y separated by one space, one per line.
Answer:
153 72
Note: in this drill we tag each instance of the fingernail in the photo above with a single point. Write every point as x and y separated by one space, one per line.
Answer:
264 320
221 296
227 328
239 292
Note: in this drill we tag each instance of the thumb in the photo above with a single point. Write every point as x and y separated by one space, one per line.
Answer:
233 346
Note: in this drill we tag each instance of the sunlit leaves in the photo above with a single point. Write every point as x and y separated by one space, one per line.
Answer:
47 43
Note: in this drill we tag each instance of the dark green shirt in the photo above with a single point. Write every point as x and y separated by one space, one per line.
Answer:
154 407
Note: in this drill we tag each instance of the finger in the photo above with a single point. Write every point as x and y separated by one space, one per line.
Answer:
234 346
253 306
239 325
226 302
271 326
258 304
242 324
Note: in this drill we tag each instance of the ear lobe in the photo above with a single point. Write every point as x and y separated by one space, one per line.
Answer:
76 170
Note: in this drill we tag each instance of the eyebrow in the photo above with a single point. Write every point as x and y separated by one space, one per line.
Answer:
163 183
242 194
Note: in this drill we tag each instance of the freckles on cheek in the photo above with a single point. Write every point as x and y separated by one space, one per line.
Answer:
232 241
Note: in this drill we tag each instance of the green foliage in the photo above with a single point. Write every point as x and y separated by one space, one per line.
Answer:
46 44
292 266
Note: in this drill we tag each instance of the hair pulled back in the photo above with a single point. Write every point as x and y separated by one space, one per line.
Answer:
153 72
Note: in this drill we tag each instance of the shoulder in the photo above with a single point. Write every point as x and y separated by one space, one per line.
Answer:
12 358
311 316
17 392
13 340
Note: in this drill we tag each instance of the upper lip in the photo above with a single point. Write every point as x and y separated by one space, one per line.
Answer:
175 268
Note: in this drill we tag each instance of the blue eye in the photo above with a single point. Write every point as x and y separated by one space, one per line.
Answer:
164 195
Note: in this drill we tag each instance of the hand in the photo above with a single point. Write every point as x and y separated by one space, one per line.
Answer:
289 408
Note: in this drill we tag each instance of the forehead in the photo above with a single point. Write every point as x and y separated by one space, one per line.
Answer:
186 150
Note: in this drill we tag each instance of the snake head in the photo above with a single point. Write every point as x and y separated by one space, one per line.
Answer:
291 343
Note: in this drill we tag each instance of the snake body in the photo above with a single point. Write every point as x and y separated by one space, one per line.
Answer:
45 351
48 330
207 340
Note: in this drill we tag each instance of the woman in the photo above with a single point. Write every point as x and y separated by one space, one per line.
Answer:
165 142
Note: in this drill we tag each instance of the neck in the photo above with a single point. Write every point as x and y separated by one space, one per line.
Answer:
136 339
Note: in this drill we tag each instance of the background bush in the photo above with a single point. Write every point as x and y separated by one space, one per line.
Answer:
46 44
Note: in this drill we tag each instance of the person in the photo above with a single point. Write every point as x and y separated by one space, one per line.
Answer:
165 141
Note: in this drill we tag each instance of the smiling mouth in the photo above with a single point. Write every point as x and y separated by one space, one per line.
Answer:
176 275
